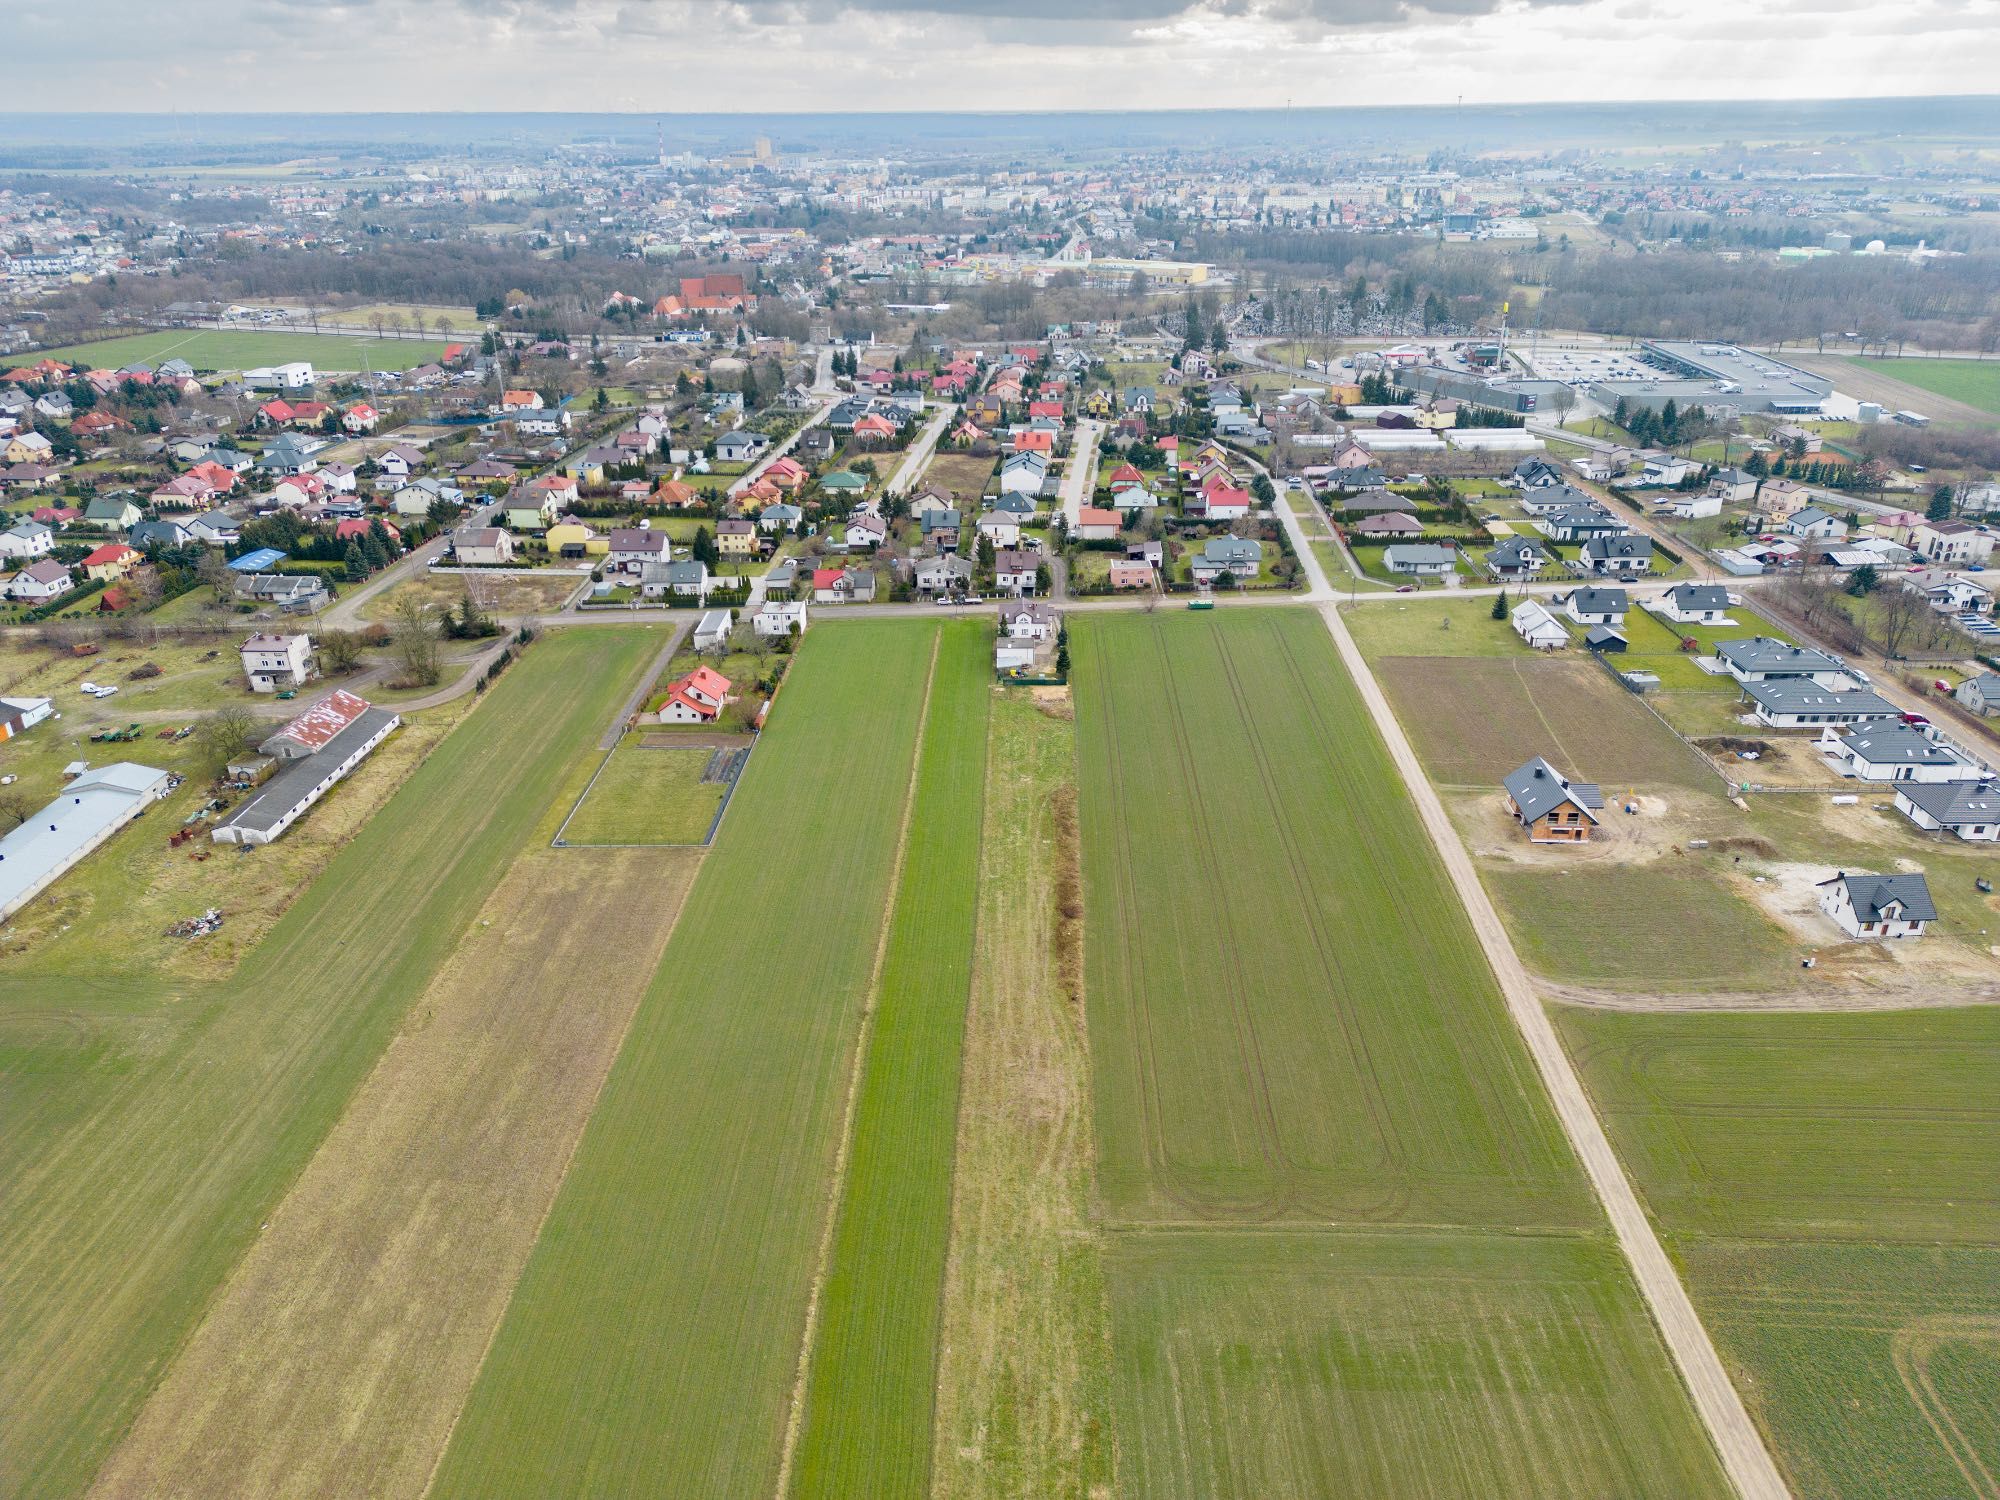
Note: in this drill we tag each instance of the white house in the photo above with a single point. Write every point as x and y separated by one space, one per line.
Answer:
1969 809
1878 906
482 546
1895 752
631 548
711 632
294 376
40 582
1420 560
1694 604
1816 524
1596 606
1534 624
27 540
1760 658
1001 529
1697 507
272 661
1798 703
777 617
1981 694
1954 542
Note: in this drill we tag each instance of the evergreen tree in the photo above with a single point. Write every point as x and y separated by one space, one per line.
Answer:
1940 507
1500 605
355 564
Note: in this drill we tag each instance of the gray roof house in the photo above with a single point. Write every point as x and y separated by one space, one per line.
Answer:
1800 703
1970 809
1761 658
1554 809
1617 554
1596 606
1891 906
1420 560
1234 555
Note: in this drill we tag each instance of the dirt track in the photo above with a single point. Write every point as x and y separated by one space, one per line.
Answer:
1895 395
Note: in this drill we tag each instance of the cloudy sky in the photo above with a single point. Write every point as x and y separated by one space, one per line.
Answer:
209 56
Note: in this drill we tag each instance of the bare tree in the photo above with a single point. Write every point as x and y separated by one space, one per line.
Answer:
225 733
378 322
14 807
339 651
417 642
215 574
1904 620
1564 400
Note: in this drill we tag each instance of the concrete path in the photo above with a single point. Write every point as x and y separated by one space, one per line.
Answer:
1722 1412
1079 481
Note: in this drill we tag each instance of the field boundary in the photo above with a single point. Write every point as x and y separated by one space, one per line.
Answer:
1738 1441
557 841
795 1416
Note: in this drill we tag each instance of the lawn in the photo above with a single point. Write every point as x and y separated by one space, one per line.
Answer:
1976 382
965 476
1429 1363
1249 1057
1023 1386
1474 719
654 1340
646 794
153 1126
217 352
1431 627
1827 1183
866 1425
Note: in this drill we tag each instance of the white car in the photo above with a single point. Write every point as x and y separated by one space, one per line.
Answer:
89 687
107 690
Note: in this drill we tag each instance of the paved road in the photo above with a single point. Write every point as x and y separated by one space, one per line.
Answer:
1736 1438
919 457
1079 481
751 475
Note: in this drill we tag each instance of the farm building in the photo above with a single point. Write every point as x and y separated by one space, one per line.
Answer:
312 752
1554 809
1534 624
90 809
1789 703
1762 659
1895 752
1885 906
19 714
1970 809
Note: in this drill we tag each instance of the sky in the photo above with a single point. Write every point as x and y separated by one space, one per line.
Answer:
646 56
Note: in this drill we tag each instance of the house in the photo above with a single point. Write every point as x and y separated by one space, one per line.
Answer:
1759 658
289 454
1554 499
1781 499
943 574
1387 525
1096 525
843 586
780 617
735 537
1956 543
1878 906
272 661
999 528
1554 809
159 534
1968 809
91 808
632 548
1664 469
1016 572
1023 474
399 463
1375 501
1894 752
1218 500
27 448
1516 557
940 528
1028 621
1534 474
109 563
1694 604
865 531
1233 557
518 401
482 546
687 579
27 540
291 593
1420 560
711 631
40 582
843 482
1980 695
1579 523
1624 555
1593 606
1798 703
781 517
740 447
18 715
313 752
1128 574
1736 486
115 511
1534 624
360 418
1817 525
1695 507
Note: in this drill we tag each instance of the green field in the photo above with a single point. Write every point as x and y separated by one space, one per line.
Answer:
646 794
866 1427
1292 1105
214 351
150 1126
1827 1183
652 1345
1241 824
1412 1364
1430 627
1976 382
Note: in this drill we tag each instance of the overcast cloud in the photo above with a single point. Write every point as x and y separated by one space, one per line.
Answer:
763 56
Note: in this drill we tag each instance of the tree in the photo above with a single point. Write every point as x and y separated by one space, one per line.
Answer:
15 807
1062 651
1904 618
417 642
355 562
1940 507
225 733
1864 580
339 652
1563 399
1262 489
1500 605
216 576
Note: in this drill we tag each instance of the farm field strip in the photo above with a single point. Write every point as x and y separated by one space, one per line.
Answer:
150 1133
866 1422
1250 1058
1827 1183
654 1338
1287 1117
338 1354
1024 1371
227 350
644 794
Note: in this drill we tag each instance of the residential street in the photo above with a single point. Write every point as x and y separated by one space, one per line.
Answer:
1079 479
